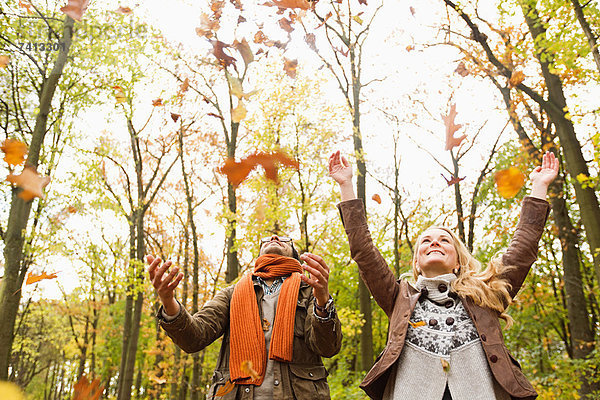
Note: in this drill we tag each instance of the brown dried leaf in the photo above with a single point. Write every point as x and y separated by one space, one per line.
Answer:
516 79
237 172
175 117
224 59
286 25
509 182
207 26
215 115
14 151
244 49
289 67
310 38
260 37
462 69
31 182
124 10
451 128
75 9
453 180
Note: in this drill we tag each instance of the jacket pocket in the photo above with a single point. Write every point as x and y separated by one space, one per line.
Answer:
309 382
221 388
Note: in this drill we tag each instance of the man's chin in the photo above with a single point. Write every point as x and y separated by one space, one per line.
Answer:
275 250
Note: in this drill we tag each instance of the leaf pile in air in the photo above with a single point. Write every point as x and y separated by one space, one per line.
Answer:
237 172
75 9
509 182
452 128
14 152
31 182
33 278
86 390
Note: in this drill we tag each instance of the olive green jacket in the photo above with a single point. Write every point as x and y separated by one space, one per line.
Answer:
305 378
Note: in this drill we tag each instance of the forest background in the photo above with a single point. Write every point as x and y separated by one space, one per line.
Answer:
133 109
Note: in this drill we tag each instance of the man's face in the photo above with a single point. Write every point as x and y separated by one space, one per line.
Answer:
276 245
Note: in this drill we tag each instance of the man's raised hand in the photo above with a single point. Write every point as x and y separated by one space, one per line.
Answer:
165 284
319 277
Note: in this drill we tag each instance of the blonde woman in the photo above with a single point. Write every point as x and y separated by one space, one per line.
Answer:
444 339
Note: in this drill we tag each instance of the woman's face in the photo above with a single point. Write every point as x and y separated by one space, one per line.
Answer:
436 254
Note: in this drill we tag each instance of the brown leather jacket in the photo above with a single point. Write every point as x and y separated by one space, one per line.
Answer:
305 378
398 299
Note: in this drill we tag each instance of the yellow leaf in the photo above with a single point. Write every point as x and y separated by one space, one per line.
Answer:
4 61
119 95
417 324
358 19
509 182
236 86
445 365
238 113
10 391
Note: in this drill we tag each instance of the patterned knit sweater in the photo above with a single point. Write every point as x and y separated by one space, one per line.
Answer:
442 349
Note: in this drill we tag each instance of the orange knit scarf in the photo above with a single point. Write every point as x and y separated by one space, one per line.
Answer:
247 342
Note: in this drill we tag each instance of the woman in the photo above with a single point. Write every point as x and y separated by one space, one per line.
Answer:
444 339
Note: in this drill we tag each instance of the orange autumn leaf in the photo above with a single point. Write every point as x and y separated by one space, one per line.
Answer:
85 390
260 37
451 129
376 198
185 85
247 369
453 180
237 172
4 61
32 278
509 182
31 183
289 67
159 380
14 152
218 50
75 9
227 388
26 5
410 47
124 10
302 4
516 78
157 103
119 94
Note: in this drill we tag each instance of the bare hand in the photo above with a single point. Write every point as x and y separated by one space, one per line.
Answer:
547 172
339 168
319 277
165 285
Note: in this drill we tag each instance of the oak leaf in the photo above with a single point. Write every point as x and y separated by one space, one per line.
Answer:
289 67
14 151
509 182
237 172
4 61
244 49
31 182
238 113
32 278
218 50
516 78
376 198
85 390
461 69
75 9
259 37
451 129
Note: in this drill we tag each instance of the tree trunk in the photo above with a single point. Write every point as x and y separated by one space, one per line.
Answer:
233 267
556 108
10 293
589 34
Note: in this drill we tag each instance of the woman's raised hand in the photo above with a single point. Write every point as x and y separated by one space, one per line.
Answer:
339 169
543 175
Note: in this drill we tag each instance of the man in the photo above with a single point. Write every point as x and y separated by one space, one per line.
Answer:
276 324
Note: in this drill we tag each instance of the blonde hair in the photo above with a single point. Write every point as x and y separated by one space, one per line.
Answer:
483 286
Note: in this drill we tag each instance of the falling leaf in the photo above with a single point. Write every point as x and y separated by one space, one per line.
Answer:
417 324
227 388
286 25
236 86
289 67
31 183
410 47
124 10
238 113
302 4
218 51
216 6
358 19
175 117
241 19
247 369
4 61
120 95
237 172
451 128
14 152
157 103
376 198
85 390
71 209
244 49
216 116
516 78
32 278
329 14
207 26
10 391
445 365
453 180
75 9
259 37
509 182
26 5
412 10
462 69
159 380
185 85
362 2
